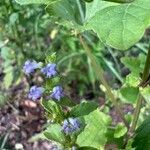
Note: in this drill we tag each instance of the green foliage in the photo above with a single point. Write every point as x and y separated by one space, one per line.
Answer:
112 140
120 131
88 0
22 37
129 94
86 148
53 110
91 117
145 92
94 132
133 64
54 133
25 2
120 1
2 99
119 30
142 137
83 108
130 90
117 25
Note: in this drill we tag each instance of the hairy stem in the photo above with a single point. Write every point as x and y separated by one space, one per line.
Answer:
139 101
136 114
147 67
99 71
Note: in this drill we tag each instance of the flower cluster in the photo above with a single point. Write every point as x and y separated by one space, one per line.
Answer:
71 125
49 71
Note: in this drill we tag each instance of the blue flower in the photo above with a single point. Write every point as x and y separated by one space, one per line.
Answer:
57 93
71 125
30 66
49 70
35 92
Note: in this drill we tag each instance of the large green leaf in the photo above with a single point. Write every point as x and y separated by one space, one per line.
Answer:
142 138
117 25
96 6
121 26
67 10
94 132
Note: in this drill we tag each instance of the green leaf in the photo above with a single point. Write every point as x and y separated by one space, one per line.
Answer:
129 94
3 99
111 140
83 108
53 109
7 53
54 133
26 2
8 78
132 63
120 130
132 80
94 132
66 10
88 1
36 137
94 7
142 137
13 18
120 1
120 26
86 148
145 92
65 101
117 25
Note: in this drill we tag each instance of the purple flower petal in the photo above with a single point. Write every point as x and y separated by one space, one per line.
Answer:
71 125
49 70
57 93
30 66
35 93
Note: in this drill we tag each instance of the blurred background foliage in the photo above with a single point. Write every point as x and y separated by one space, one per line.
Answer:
28 32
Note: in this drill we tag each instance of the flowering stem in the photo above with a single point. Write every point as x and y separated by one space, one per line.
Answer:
99 71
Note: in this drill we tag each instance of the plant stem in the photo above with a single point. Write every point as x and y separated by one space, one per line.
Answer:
136 114
139 100
147 67
99 71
